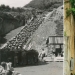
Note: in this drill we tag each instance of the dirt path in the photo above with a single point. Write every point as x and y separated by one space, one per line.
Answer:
49 68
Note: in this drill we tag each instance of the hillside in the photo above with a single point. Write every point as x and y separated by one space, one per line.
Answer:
12 20
35 34
9 22
24 34
44 4
52 26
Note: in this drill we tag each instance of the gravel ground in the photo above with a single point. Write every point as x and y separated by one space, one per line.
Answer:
45 68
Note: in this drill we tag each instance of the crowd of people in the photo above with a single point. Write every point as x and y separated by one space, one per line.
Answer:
7 69
24 34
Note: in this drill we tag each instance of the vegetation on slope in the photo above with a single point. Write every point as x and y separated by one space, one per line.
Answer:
44 4
6 8
11 18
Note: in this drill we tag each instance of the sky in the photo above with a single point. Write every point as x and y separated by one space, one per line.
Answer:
15 3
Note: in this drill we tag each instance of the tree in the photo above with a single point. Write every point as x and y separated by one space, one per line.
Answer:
12 8
7 8
4 8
